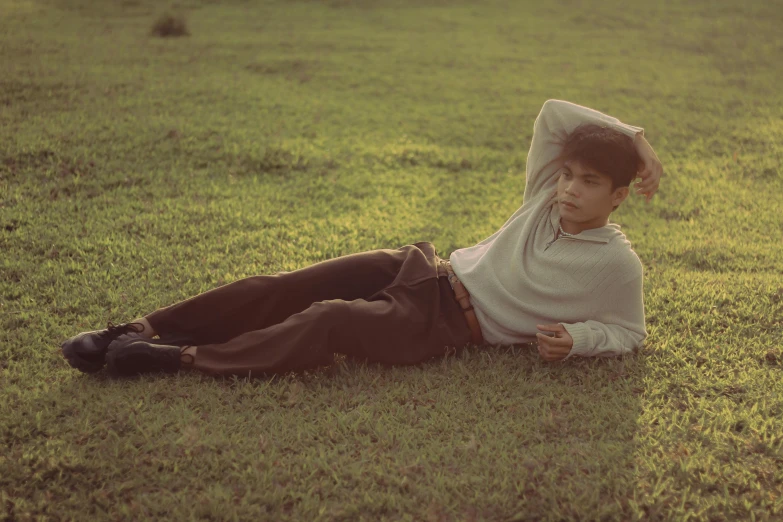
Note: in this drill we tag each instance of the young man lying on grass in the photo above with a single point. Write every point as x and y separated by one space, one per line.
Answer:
557 272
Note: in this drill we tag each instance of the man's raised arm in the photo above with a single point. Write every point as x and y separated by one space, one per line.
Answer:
556 120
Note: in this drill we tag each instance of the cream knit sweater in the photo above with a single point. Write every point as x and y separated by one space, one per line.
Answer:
519 277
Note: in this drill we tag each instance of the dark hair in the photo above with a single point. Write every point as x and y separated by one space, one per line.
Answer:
605 150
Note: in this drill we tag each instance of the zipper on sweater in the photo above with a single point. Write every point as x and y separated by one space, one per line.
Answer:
566 237
553 239
571 238
561 237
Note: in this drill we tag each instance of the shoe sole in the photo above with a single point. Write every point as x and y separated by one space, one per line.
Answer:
68 349
131 355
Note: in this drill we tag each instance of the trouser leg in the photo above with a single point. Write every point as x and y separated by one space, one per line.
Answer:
258 302
402 324
385 305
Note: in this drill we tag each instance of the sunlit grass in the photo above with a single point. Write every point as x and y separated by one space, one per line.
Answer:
136 171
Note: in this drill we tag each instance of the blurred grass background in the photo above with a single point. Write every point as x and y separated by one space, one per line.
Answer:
136 171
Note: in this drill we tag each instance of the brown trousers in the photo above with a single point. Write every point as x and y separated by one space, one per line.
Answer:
386 306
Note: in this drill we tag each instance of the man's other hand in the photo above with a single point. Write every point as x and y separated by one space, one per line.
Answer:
554 348
652 169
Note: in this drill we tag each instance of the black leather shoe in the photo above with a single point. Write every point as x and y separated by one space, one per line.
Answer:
87 351
138 356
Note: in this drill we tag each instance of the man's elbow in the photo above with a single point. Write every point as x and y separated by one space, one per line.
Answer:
551 105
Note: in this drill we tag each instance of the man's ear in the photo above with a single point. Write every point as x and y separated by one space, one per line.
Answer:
619 195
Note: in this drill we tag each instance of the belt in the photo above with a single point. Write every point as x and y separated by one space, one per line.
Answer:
463 298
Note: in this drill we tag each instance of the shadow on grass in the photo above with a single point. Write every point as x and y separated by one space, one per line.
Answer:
510 431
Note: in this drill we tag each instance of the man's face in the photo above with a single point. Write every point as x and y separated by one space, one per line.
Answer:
590 192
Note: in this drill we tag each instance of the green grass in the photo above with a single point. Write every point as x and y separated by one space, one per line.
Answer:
136 171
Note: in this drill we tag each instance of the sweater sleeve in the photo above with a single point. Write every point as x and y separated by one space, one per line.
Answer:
556 120
620 331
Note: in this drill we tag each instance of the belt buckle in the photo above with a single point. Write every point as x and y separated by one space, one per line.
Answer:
451 276
443 263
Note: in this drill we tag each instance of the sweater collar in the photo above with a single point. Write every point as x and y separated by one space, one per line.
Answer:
602 234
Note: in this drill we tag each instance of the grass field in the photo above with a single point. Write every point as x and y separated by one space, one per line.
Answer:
136 171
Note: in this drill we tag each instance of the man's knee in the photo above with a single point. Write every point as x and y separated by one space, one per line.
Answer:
331 310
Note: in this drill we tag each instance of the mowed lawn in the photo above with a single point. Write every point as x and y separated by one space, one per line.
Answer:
137 171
